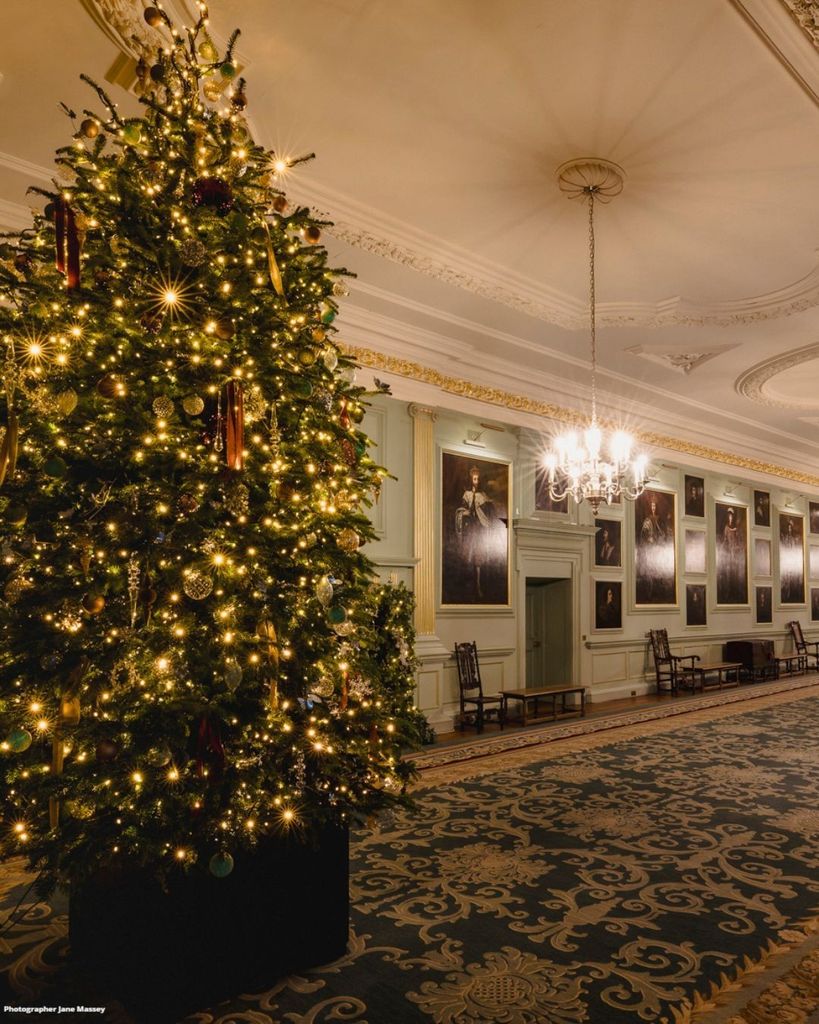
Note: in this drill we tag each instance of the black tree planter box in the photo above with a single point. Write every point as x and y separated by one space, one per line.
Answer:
164 954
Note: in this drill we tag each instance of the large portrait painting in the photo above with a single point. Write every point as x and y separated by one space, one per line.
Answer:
544 502
608 604
791 559
764 609
813 516
655 548
607 542
474 530
695 496
731 547
695 604
814 604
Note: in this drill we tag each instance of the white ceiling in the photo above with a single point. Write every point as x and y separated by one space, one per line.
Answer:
438 128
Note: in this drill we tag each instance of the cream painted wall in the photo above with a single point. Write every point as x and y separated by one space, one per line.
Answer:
611 663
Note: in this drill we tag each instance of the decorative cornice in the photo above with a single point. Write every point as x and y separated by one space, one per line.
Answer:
25 167
806 15
123 23
379 234
752 383
521 403
780 26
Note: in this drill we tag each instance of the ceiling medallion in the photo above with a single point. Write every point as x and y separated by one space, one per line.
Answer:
597 466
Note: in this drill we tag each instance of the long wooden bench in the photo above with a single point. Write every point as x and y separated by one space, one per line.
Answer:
550 693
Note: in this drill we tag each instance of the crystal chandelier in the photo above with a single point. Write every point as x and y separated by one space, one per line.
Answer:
597 465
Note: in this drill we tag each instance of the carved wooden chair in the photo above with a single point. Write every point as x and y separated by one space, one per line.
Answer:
668 665
473 703
803 646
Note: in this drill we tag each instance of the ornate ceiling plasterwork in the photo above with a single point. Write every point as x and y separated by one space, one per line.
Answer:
753 384
806 13
681 361
546 304
522 403
122 22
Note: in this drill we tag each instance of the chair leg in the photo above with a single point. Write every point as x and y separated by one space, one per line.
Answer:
480 717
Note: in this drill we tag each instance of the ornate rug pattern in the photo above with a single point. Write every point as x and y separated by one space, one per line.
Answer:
664 873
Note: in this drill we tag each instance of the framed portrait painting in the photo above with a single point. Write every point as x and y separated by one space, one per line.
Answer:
813 562
814 604
762 556
695 496
764 600
608 604
762 508
695 604
544 502
655 548
791 558
695 551
731 548
475 502
607 542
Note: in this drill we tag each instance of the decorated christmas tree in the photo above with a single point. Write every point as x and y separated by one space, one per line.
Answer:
194 654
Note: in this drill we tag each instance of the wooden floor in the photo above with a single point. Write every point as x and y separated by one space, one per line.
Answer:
600 710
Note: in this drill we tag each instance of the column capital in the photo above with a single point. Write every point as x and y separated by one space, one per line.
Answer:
422 412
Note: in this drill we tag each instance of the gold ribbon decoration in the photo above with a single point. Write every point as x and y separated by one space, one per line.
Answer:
275 273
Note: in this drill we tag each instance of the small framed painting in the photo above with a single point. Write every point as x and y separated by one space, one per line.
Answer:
762 508
764 597
695 604
607 543
695 496
813 516
695 551
762 556
608 604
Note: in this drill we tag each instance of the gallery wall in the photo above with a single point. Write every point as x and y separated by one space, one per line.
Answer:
704 553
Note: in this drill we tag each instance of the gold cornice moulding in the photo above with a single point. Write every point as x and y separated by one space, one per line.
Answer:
520 403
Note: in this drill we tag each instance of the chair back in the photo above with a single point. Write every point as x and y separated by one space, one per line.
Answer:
798 637
469 673
659 646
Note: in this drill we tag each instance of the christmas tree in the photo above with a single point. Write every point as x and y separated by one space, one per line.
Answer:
195 656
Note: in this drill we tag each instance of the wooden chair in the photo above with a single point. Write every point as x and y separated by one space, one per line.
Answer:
666 664
803 646
471 688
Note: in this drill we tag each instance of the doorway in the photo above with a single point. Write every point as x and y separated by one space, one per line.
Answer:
548 632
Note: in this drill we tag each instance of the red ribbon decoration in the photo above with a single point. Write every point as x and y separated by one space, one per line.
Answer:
59 227
68 243
209 748
235 425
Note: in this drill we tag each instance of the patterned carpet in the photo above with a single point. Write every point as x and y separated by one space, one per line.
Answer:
665 872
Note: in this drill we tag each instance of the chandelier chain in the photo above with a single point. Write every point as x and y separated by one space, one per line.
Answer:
592 319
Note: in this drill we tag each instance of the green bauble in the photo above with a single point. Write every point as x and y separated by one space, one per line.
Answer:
55 466
19 740
328 316
336 615
221 865
227 70
303 388
132 134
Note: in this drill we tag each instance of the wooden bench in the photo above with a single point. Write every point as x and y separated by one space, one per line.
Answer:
792 664
722 673
550 693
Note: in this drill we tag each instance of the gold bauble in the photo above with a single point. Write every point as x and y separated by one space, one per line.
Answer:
193 405
197 586
307 356
348 540
152 16
280 204
14 588
312 234
90 128
67 401
212 90
162 407
224 329
93 603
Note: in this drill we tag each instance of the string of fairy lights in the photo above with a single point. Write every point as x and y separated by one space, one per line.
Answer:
197 654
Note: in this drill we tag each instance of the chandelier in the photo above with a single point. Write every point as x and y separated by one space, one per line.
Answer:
597 465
